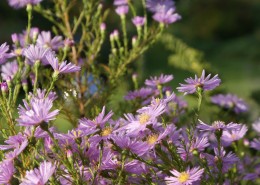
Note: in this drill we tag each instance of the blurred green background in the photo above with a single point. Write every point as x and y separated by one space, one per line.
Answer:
224 35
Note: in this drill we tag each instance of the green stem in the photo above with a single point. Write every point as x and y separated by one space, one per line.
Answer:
121 178
123 21
36 67
29 13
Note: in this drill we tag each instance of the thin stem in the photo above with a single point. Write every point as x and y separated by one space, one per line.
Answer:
123 21
36 67
29 13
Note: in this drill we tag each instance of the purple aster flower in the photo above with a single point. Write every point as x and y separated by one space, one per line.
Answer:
63 67
155 81
138 21
229 136
156 6
155 138
189 147
22 3
111 162
3 53
205 84
122 10
44 40
253 176
147 116
39 176
40 94
37 112
226 159
98 122
125 143
9 70
230 101
7 171
255 144
167 17
217 126
140 93
17 151
187 177
35 53
14 142
256 126
120 2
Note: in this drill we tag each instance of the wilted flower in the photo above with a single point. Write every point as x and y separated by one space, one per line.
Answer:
205 83
187 177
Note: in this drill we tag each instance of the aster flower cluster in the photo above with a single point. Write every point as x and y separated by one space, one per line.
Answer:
157 139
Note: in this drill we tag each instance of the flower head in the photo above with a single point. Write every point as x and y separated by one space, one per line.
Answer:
37 112
3 53
120 2
35 53
187 177
7 171
9 70
221 157
22 3
39 176
63 67
122 10
44 40
230 101
205 83
155 81
217 126
229 136
167 17
157 6
138 21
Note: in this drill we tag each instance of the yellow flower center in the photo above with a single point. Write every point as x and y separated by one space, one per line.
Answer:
183 177
234 136
144 118
76 133
106 131
18 51
152 139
